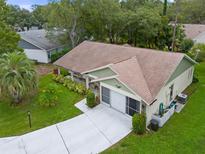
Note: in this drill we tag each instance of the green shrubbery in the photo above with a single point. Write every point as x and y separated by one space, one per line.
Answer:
64 71
91 100
78 88
71 85
198 52
49 96
57 55
139 123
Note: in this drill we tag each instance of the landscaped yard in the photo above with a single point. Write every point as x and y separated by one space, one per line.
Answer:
183 134
14 120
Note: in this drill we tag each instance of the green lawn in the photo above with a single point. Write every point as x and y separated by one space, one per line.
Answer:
183 134
14 120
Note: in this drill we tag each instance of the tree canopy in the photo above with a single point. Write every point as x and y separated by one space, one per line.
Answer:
8 37
136 22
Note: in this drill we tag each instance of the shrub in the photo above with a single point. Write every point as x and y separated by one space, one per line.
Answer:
49 96
139 123
71 85
57 55
195 79
186 45
198 52
91 101
64 72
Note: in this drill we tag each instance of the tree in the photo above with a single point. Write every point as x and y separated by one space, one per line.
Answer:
186 45
19 18
17 76
103 19
8 38
39 15
165 8
191 11
65 15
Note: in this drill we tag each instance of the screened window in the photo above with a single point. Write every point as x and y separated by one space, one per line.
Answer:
132 106
106 95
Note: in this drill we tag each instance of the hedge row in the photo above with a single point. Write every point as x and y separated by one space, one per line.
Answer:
71 85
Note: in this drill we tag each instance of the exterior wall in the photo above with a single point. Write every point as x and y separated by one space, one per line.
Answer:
180 84
38 55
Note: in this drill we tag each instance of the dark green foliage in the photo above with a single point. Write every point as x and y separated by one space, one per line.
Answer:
186 45
139 123
64 71
91 100
165 8
48 96
195 79
59 54
136 22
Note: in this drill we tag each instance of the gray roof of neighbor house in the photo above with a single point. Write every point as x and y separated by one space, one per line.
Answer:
144 71
193 30
200 38
39 39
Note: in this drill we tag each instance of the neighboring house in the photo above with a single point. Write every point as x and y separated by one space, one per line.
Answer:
130 80
196 32
37 46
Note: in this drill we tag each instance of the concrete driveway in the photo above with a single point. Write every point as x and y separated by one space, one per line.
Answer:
92 132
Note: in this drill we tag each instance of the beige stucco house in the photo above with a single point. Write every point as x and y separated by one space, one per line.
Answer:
130 80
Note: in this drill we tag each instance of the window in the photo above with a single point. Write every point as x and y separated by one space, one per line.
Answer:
132 106
49 55
106 95
171 92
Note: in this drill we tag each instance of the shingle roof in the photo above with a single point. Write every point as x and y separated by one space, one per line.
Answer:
200 38
145 71
39 39
193 30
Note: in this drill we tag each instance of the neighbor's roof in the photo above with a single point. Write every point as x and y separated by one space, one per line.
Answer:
39 39
200 38
193 30
145 71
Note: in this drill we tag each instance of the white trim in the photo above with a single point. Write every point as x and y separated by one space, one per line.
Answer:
92 76
102 79
96 69
119 91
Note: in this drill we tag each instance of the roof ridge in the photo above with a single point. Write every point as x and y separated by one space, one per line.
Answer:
144 77
121 45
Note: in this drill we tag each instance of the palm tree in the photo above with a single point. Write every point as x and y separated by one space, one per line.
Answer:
17 75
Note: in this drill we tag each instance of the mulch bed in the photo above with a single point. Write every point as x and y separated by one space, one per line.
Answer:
43 69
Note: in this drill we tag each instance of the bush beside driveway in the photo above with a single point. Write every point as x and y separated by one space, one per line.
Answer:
184 133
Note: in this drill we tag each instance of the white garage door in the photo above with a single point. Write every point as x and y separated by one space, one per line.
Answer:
117 101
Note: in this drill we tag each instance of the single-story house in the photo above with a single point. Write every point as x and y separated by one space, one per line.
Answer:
196 32
37 46
128 79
